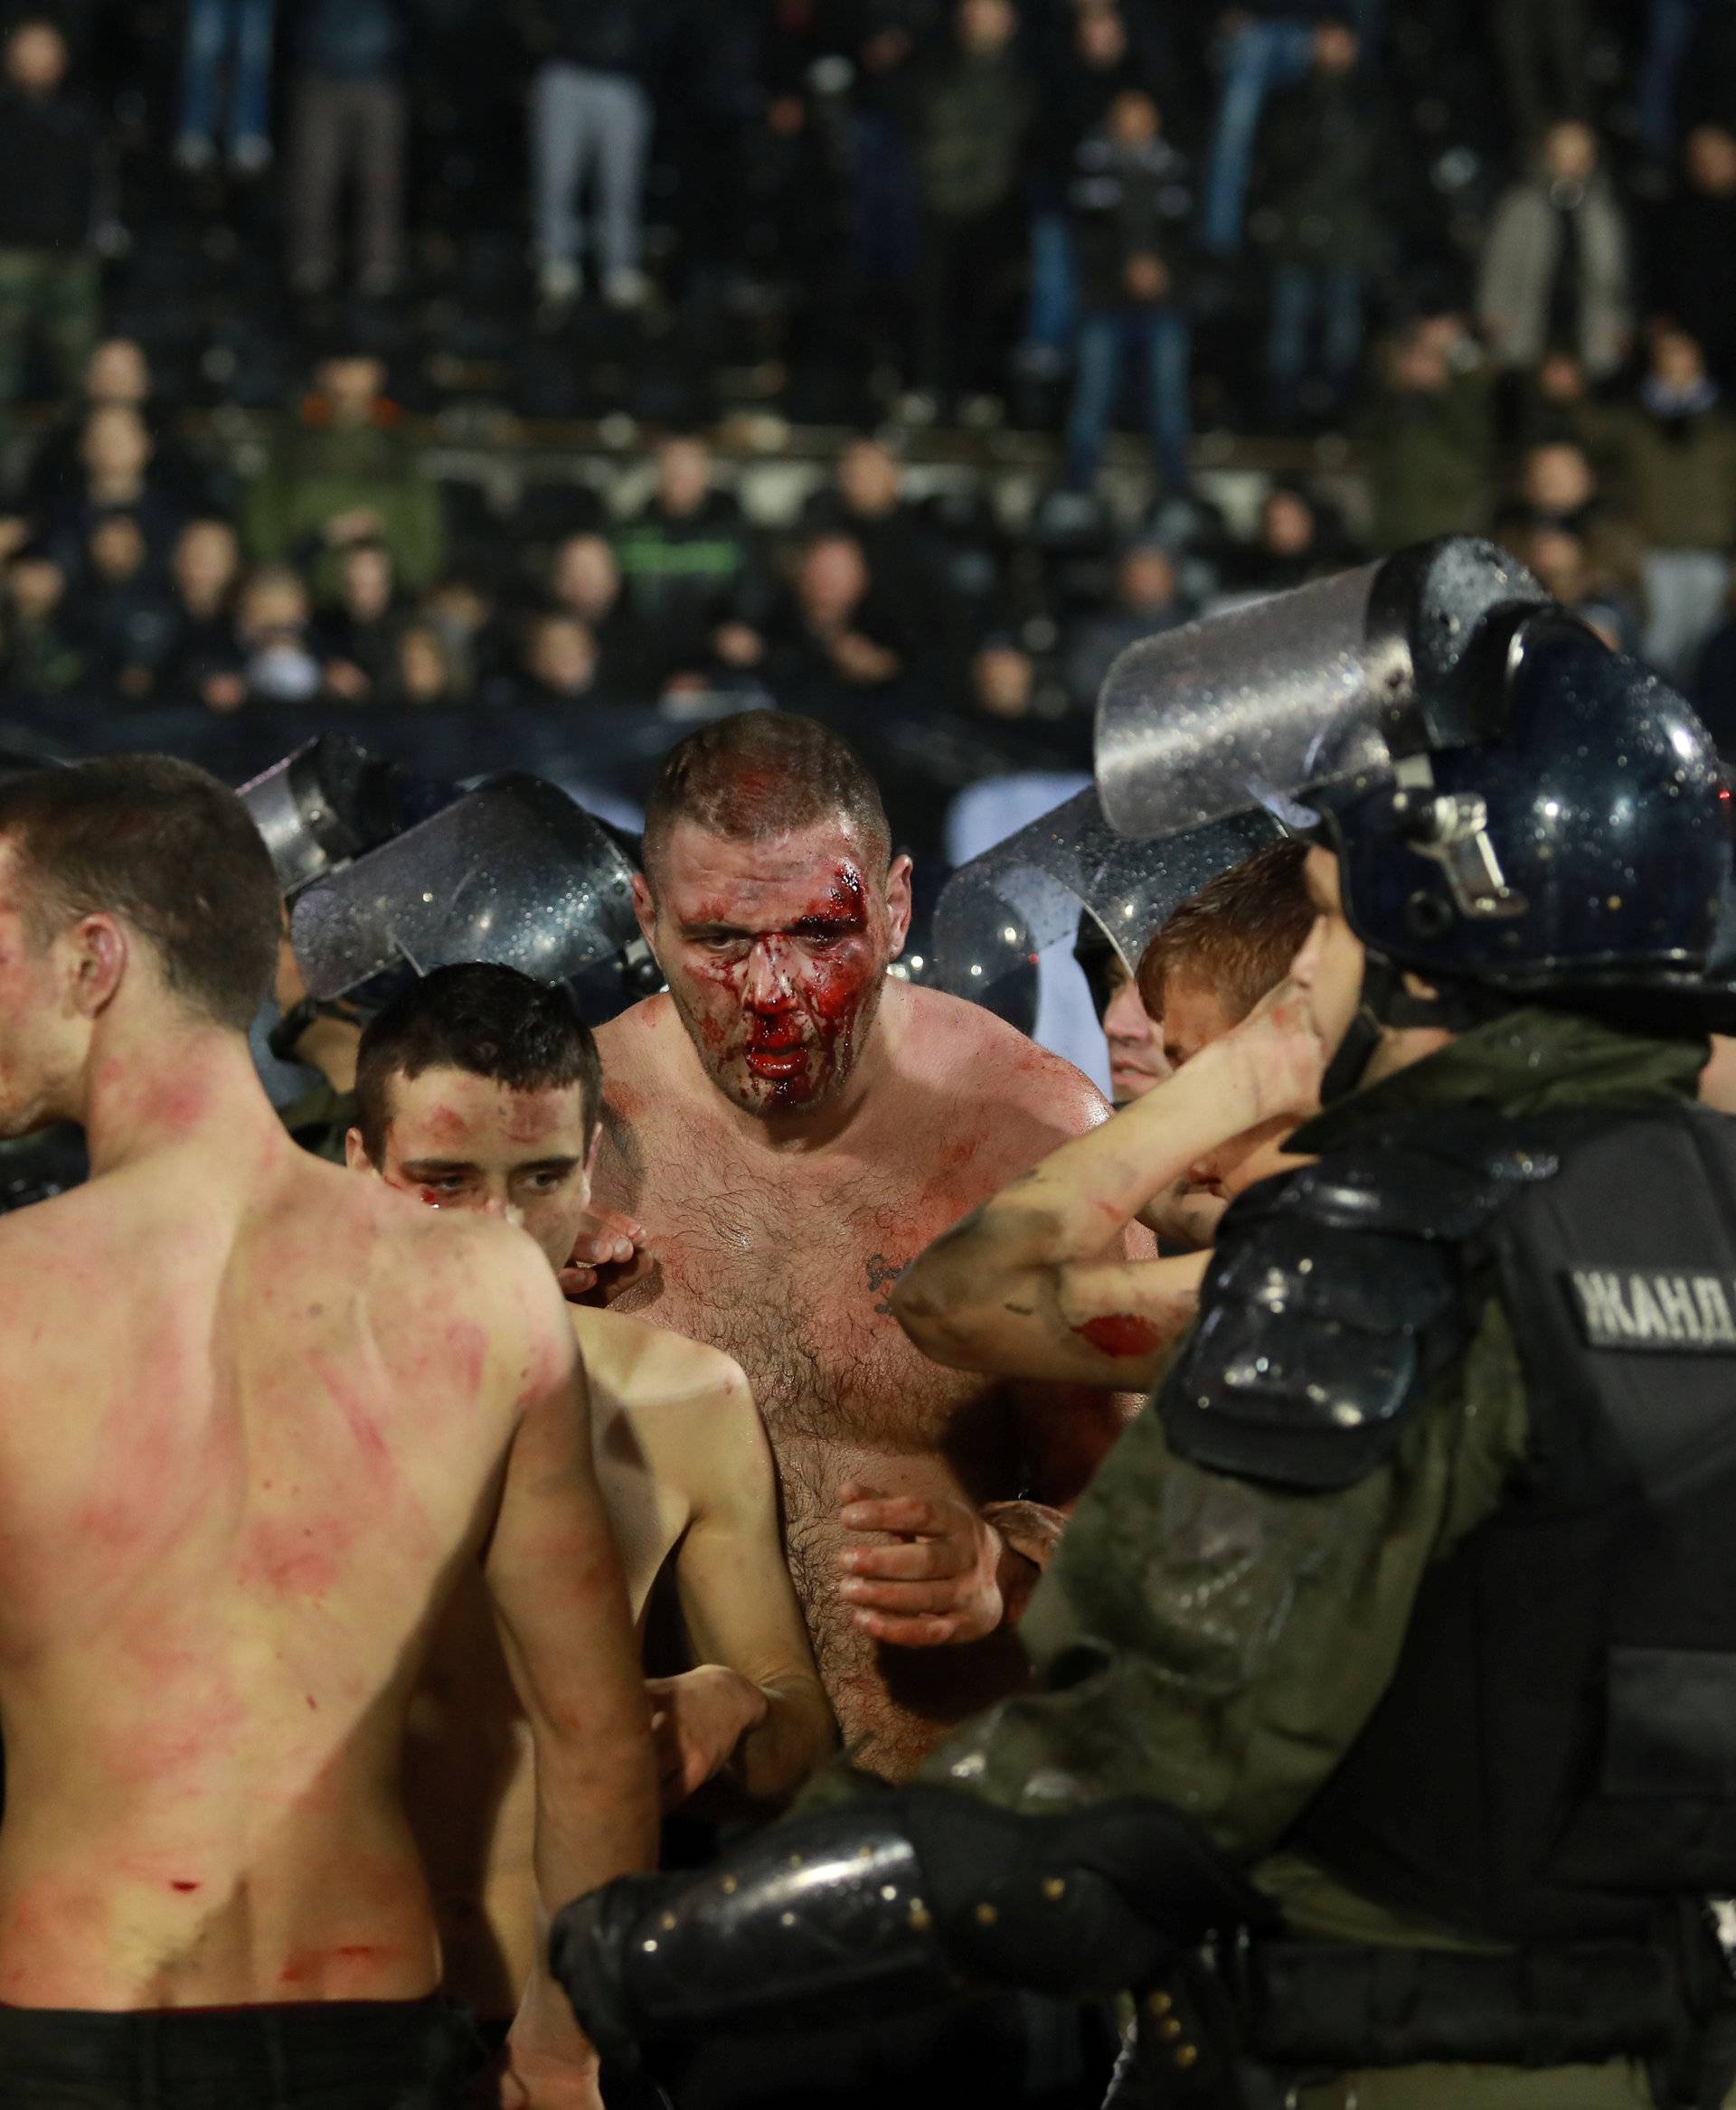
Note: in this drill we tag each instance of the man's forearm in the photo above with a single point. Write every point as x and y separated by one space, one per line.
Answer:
796 1738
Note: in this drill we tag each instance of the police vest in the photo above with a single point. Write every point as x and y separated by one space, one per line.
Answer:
1556 1754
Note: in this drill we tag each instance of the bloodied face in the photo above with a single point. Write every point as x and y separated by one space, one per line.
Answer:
776 950
459 1141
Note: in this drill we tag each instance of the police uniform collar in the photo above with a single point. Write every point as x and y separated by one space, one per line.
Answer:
1530 1059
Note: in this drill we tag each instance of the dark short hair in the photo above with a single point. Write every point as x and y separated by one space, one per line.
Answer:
491 1021
758 774
171 852
1238 934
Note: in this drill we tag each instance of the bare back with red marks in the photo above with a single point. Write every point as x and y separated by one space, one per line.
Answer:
253 1420
785 1260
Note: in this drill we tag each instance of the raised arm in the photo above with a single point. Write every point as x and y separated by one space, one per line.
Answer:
754 1711
561 1606
1023 1287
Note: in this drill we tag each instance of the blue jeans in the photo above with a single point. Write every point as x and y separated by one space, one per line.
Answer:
1162 336
1297 291
1260 56
239 33
1054 285
1666 43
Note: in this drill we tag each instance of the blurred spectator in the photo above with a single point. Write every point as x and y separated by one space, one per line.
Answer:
688 558
559 666
831 631
42 662
1542 45
116 473
1129 201
906 557
1560 490
1691 256
972 113
1706 83
1669 28
1560 560
427 675
1555 267
1148 601
591 125
1098 63
351 113
1427 436
1300 537
48 173
125 618
116 372
465 616
341 472
228 48
585 580
1003 680
361 633
202 572
1678 452
1317 175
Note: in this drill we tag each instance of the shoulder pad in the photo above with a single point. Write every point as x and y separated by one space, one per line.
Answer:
1335 1296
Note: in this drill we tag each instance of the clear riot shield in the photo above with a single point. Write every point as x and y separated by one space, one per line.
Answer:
1338 679
997 913
329 802
514 874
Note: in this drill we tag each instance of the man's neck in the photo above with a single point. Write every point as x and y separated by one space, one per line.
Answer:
168 1085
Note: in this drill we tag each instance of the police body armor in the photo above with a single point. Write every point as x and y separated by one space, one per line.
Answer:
1553 1765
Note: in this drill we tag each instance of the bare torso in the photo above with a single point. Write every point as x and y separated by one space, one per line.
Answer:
784 1260
248 1433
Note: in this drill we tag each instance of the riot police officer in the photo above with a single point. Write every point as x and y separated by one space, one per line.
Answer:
1393 1650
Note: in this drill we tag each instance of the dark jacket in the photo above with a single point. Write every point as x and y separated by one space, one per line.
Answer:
973 116
1317 173
1127 201
1690 260
48 171
1429 454
604 36
353 40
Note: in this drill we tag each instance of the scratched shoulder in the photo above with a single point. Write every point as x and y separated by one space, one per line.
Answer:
998 1065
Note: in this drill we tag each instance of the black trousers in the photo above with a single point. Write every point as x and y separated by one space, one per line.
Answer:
328 2054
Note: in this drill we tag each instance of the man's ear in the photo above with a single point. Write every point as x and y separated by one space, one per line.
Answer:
898 902
97 953
355 1153
644 908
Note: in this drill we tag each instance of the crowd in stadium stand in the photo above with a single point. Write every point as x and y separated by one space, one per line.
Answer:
1436 265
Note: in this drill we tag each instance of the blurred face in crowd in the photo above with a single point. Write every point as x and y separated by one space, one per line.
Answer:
683 475
586 577
1677 359
116 444
1558 559
117 549
1101 37
1334 48
367 582
1004 678
353 383
206 561
868 478
1569 153
273 603
1712 160
459 606
1558 478
831 580
459 1141
985 26
34 586
36 58
562 655
1133 120
1146 580
1286 525
1560 378
1136 1057
423 674
776 949
117 374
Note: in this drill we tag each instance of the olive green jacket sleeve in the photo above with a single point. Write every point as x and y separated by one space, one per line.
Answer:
1219 1643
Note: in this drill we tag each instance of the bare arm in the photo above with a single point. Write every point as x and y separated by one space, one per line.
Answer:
561 1606
742 1616
1025 1287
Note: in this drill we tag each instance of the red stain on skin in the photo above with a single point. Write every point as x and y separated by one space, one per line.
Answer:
1121 1334
183 1886
353 1407
285 1559
305 1964
448 1123
467 1344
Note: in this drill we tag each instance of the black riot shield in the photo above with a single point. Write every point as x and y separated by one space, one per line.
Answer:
514 874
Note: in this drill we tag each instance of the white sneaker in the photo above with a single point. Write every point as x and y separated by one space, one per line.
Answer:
250 157
558 282
626 289
194 151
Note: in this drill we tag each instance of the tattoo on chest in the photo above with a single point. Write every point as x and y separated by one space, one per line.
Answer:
881 1274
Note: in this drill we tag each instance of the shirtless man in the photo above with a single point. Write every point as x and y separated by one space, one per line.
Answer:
256 1419
478 1088
792 1126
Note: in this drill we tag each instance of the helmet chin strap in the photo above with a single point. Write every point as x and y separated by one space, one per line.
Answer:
1386 1005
